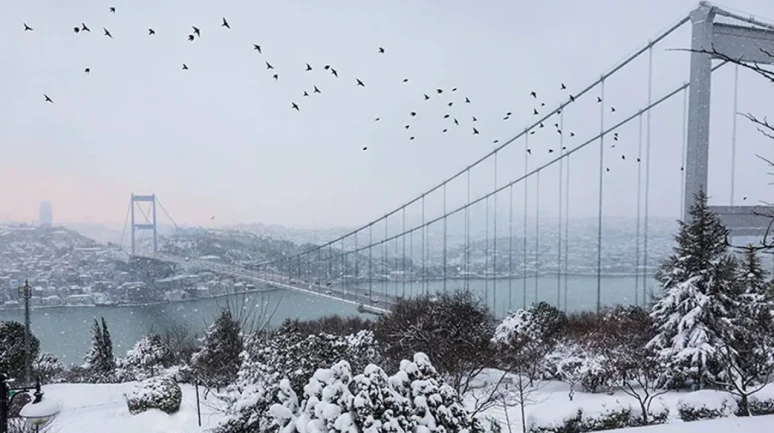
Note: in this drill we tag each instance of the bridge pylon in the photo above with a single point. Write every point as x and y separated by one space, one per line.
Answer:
149 221
749 43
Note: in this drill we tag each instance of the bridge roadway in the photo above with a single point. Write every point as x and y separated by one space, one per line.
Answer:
379 304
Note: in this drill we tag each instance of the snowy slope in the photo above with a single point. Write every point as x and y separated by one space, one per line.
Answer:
760 424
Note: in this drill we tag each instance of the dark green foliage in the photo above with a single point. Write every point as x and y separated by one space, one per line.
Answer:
689 413
756 407
12 349
334 325
610 420
453 331
100 362
160 393
217 362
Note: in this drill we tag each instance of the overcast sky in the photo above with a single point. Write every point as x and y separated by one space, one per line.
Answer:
222 140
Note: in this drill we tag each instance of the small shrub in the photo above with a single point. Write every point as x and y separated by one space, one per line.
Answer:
758 407
688 412
618 418
160 393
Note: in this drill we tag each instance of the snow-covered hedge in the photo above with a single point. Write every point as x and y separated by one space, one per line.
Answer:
582 422
415 399
160 393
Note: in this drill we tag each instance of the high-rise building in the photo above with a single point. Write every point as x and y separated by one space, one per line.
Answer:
46 213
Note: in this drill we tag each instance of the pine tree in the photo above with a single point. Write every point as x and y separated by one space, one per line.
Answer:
217 361
99 360
698 284
149 355
749 341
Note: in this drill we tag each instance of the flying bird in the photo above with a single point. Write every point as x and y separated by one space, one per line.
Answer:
411 138
413 114
308 67
407 126
84 28
87 70
467 100
572 98
535 112
113 9
275 76
335 74
475 131
446 116
474 119
306 93
564 87
360 83
534 95
529 151
607 168
623 157
294 105
185 67
599 99
445 130
48 99
269 66
376 120
439 91
456 122
454 89
197 32
76 29
405 80
426 97
107 33
225 24
191 38
151 32
550 150
496 141
326 67
316 90
381 50
572 134
27 28
365 147
257 47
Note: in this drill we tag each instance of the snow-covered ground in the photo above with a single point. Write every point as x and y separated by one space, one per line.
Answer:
102 408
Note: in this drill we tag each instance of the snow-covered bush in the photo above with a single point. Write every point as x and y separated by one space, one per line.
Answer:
99 363
696 412
160 393
453 329
416 399
576 364
758 407
580 422
148 356
47 367
12 348
291 356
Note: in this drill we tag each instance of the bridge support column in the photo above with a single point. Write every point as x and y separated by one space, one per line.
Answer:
150 221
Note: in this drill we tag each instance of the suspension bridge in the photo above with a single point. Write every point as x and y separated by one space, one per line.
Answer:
502 224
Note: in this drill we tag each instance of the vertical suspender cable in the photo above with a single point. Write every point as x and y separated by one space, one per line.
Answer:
526 195
424 229
370 261
385 275
733 132
682 152
639 204
647 178
566 234
357 266
467 237
510 248
601 179
537 234
559 229
494 241
396 266
411 262
444 238
486 254
403 260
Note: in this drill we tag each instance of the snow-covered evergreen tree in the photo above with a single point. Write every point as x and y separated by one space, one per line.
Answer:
47 367
698 284
148 356
377 407
747 354
217 361
99 360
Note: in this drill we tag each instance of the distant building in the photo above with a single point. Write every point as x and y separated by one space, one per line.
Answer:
46 213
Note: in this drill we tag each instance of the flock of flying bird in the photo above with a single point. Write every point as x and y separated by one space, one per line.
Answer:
196 33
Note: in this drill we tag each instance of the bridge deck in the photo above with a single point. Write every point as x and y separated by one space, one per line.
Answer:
380 304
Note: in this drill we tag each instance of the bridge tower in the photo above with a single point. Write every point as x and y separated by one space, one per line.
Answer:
736 42
149 222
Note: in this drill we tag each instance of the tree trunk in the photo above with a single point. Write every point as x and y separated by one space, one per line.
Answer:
644 409
744 405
